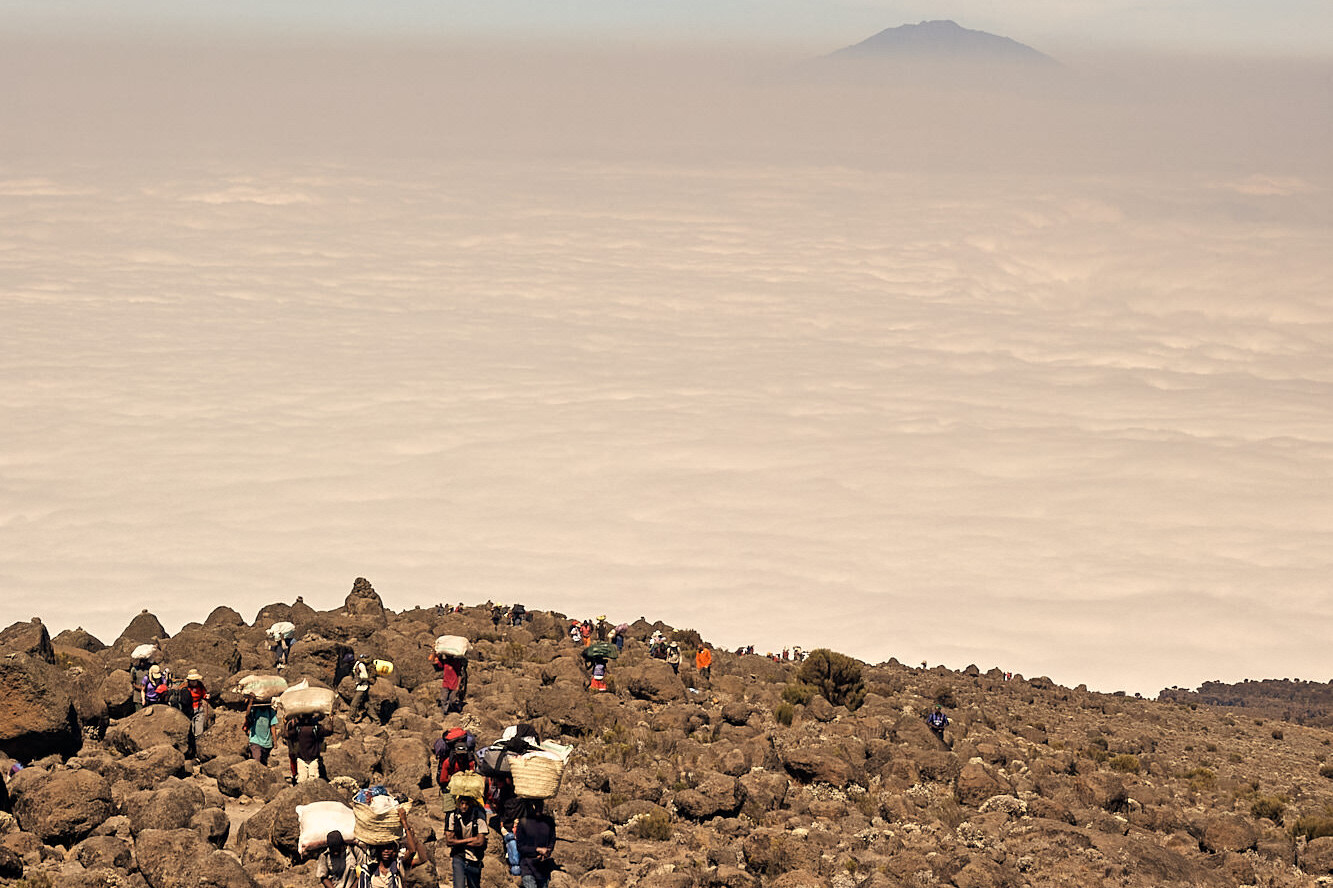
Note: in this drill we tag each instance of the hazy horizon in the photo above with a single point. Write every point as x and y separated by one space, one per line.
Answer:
1029 374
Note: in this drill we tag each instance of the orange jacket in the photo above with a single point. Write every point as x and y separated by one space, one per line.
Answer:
703 659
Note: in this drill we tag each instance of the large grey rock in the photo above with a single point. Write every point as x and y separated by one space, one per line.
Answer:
180 858
713 795
108 852
651 680
173 806
63 807
248 777
149 768
37 715
28 637
810 764
276 824
143 629
153 726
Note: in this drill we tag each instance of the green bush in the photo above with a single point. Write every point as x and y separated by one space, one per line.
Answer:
798 693
1270 807
836 676
784 713
1313 826
655 827
1129 764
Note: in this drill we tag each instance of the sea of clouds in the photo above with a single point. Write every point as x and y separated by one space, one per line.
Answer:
949 376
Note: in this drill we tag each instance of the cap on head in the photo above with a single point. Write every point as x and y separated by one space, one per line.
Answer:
193 675
155 670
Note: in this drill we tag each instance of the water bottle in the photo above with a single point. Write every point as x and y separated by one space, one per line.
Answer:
511 851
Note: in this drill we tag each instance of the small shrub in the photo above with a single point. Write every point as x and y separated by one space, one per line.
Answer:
1326 771
798 693
1277 733
836 676
784 713
1201 778
1098 754
1210 747
1270 807
655 827
944 697
1129 764
688 639
1313 826
1235 758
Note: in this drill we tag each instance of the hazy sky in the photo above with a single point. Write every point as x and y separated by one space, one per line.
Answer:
1032 374
1282 26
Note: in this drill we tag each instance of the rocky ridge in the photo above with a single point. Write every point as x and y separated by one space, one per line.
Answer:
760 775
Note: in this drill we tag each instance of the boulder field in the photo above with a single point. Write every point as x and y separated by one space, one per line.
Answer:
765 773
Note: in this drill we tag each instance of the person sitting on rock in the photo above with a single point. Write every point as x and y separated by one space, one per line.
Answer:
388 864
260 719
451 671
937 721
535 833
155 686
194 699
339 863
361 673
305 745
465 832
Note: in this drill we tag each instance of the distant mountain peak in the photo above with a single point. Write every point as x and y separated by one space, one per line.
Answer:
942 40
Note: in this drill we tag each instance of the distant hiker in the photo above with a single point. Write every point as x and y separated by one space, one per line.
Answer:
387 865
703 661
155 686
451 671
673 657
496 613
454 752
361 673
597 677
194 700
458 608
260 719
465 832
586 629
601 629
280 634
305 745
619 638
516 614
938 721
536 840
576 632
138 672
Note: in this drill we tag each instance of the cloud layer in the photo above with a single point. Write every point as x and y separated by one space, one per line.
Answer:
1067 418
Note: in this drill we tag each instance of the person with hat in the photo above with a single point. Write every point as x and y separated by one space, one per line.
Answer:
673 656
361 672
194 700
466 832
339 863
153 688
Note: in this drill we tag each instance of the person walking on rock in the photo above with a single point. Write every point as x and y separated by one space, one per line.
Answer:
388 864
451 671
703 661
673 657
339 863
361 673
195 699
305 745
155 685
260 718
535 833
937 721
465 832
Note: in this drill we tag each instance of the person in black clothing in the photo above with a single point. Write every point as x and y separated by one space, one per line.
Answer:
536 839
305 745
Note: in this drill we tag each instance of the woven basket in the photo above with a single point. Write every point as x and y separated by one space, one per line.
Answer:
377 829
536 776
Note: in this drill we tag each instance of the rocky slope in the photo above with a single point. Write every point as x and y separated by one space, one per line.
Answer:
750 778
